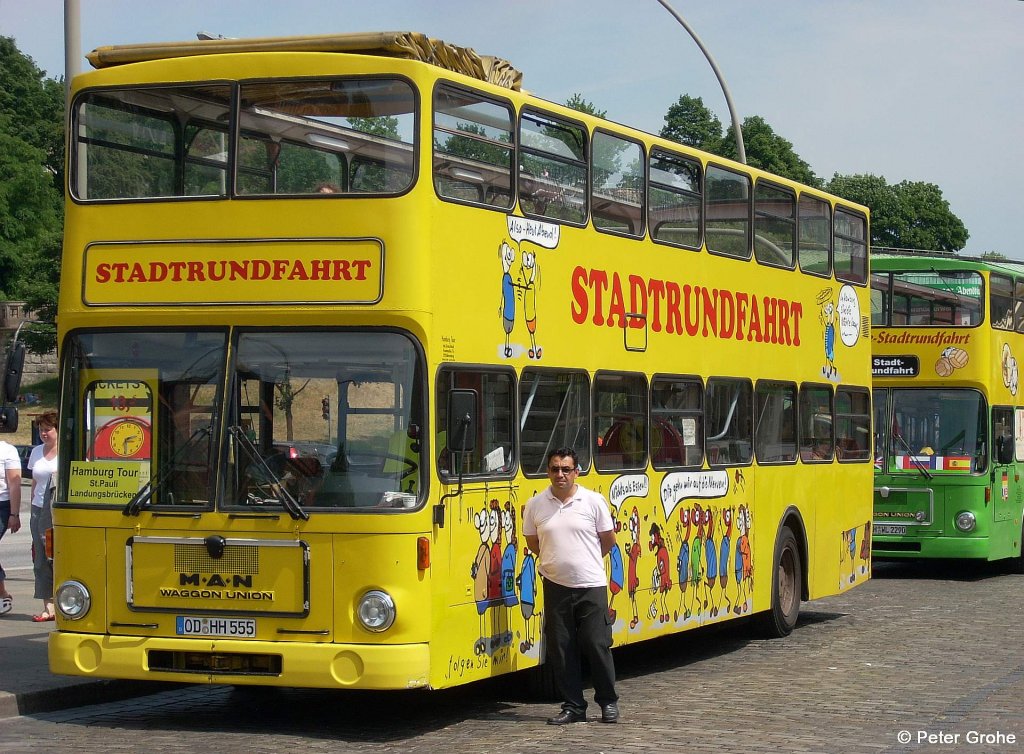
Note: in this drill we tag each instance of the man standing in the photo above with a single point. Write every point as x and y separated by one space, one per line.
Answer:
571 530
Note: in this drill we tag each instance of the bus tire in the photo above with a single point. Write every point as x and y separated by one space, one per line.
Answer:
1016 564
787 578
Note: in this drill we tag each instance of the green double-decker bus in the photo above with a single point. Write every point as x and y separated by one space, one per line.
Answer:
947 333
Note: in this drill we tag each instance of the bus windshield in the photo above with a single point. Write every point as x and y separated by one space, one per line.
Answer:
336 418
317 420
943 428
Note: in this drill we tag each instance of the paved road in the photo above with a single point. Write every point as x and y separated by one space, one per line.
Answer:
918 652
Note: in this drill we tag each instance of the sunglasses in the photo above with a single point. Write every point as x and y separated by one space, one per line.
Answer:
564 469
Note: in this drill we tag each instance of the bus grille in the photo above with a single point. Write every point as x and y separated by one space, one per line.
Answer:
214 663
191 558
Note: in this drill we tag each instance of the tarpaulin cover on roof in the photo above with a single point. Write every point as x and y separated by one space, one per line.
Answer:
397 44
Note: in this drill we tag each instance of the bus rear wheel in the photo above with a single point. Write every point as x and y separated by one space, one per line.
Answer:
787 577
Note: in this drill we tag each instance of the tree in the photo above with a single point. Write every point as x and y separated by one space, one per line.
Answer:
35 106
909 215
31 191
576 102
689 122
767 150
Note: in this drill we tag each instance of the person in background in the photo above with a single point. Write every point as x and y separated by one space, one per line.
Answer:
571 530
43 462
10 508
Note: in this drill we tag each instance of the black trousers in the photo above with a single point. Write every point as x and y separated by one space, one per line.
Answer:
577 625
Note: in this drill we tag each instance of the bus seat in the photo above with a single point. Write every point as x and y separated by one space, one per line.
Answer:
667 446
622 445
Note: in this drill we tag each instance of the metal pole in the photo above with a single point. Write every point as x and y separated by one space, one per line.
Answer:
72 43
721 80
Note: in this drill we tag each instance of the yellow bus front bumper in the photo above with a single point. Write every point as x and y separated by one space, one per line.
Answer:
297 664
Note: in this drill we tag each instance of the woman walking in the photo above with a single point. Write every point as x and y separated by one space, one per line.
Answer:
43 462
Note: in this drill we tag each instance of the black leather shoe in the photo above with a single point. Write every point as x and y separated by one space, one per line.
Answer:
567 716
610 713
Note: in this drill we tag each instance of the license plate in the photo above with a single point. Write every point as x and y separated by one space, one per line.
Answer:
897 529
244 628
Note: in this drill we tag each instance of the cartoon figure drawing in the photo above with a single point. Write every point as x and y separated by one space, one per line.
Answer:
616 577
527 583
530 282
508 557
723 558
744 569
486 571
827 317
865 548
662 575
633 551
711 556
849 550
508 293
683 563
696 551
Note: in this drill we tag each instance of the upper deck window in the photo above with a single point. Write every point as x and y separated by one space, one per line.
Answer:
928 298
727 226
295 137
151 143
675 199
339 136
552 168
473 143
850 252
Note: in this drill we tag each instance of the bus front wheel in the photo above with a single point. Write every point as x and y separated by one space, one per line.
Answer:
787 578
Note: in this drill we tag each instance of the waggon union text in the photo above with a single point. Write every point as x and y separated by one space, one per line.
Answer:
217 594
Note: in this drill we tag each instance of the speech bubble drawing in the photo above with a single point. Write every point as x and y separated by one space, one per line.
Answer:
540 233
681 485
627 486
848 314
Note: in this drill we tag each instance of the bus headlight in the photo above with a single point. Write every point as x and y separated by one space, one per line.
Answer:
965 521
376 611
73 600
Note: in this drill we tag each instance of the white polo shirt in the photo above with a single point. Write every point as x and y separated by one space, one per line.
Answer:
570 549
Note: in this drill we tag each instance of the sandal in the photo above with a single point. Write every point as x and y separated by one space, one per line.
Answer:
6 604
43 618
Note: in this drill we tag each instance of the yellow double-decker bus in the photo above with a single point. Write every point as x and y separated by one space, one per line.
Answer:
949 426
327 305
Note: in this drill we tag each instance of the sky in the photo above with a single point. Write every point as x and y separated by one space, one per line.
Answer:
915 90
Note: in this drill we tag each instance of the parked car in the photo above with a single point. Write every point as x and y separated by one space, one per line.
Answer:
24 451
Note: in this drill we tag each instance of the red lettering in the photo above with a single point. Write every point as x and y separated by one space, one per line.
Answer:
617 308
361 265
578 308
598 284
672 315
103 273
709 299
637 301
656 291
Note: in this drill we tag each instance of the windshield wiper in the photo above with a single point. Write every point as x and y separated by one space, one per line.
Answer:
166 472
913 459
284 497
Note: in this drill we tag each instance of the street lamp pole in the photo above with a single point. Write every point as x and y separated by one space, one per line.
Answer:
72 43
721 80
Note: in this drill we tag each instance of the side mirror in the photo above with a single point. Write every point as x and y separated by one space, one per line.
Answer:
8 419
1004 450
12 372
462 420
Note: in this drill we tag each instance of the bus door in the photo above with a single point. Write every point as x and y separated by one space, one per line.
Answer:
1006 485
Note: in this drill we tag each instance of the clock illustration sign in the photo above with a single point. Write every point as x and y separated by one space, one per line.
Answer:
123 438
